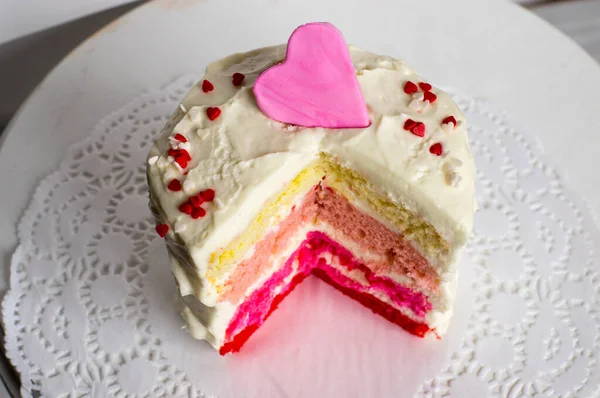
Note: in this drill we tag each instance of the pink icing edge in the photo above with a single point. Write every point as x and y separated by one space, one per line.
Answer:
257 307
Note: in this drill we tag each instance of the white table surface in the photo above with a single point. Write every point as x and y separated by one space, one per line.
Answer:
535 85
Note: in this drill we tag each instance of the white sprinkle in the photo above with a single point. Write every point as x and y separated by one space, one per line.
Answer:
180 226
447 127
152 161
162 162
170 159
189 186
454 179
455 162
170 174
182 108
203 134
219 203
415 105
425 105
186 145
418 96
291 128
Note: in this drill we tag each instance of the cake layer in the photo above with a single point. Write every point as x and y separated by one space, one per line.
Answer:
318 255
353 250
385 252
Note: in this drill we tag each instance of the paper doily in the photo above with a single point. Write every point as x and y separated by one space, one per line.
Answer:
91 310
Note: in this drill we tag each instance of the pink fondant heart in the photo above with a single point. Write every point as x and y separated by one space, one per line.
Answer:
316 85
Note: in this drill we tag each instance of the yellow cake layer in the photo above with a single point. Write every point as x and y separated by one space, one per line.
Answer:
345 181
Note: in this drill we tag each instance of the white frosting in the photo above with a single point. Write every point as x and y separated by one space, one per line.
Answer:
248 158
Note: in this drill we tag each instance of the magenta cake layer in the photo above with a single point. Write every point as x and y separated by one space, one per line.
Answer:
310 257
328 207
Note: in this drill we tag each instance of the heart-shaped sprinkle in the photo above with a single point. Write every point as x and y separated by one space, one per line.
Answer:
180 138
409 124
213 112
316 85
425 86
207 195
181 162
196 201
186 208
198 212
185 154
449 119
410 88
436 149
181 157
237 79
162 229
418 129
207 86
429 96
174 185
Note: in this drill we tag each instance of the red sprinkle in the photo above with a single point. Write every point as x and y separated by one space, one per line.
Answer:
449 119
174 185
196 201
186 208
198 212
207 86
429 96
181 161
237 79
185 154
418 129
180 138
425 86
213 112
409 124
410 87
436 149
208 195
162 229
182 157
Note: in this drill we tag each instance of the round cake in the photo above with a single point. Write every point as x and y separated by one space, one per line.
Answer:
314 158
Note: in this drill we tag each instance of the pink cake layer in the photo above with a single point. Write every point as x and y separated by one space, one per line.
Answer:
309 258
325 205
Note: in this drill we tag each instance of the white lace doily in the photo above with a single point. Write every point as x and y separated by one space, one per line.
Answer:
91 310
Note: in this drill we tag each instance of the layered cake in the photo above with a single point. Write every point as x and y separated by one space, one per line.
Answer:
315 158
